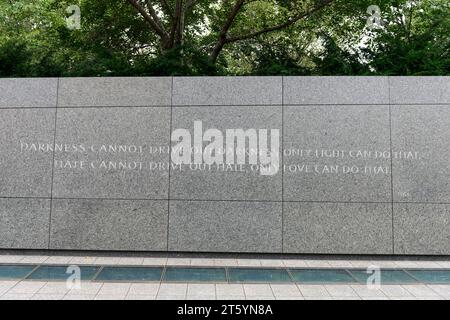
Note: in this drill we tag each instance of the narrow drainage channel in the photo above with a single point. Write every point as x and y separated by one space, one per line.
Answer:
221 274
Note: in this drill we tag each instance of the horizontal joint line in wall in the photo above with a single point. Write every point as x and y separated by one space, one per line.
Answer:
365 104
18 108
84 107
232 105
226 105
224 200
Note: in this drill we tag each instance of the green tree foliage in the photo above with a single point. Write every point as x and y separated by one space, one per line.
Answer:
415 40
224 37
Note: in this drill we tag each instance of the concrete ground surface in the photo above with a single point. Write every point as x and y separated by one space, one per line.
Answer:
58 290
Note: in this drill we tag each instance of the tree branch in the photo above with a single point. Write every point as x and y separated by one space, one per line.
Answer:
148 18
283 25
168 8
237 7
178 24
154 15
224 38
224 31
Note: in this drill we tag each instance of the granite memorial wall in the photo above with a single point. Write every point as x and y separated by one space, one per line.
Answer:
364 165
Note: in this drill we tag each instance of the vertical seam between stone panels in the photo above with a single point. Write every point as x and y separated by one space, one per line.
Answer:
53 165
170 163
282 164
392 167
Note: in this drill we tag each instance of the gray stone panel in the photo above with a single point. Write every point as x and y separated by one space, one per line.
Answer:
419 90
35 93
227 91
355 166
24 223
119 171
225 226
119 199
335 90
422 229
135 225
337 228
121 92
426 130
241 184
26 141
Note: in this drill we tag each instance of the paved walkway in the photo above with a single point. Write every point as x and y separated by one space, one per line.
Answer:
319 262
180 291
38 290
